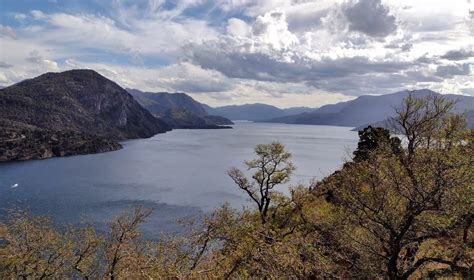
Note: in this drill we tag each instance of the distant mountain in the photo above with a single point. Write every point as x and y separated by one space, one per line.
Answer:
159 102
255 112
366 110
297 110
181 118
179 110
470 118
72 112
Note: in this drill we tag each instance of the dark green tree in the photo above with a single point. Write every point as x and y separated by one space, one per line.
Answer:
372 138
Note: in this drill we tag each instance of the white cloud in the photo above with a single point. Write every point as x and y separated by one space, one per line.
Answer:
19 17
148 36
282 52
237 27
38 14
3 79
431 16
36 58
369 17
370 53
272 29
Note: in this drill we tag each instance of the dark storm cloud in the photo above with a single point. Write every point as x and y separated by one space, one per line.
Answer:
260 66
404 47
5 65
332 74
459 54
449 71
425 59
374 83
369 17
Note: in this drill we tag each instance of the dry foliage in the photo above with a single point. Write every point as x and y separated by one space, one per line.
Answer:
402 209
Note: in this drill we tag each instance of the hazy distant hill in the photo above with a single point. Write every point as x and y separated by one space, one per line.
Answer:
255 112
179 110
72 112
159 102
470 118
366 110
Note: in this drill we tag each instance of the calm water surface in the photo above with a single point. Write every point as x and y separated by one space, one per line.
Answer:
180 174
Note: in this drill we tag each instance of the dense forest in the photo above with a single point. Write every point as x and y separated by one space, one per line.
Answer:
401 208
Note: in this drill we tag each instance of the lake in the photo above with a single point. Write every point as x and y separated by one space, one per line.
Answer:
180 174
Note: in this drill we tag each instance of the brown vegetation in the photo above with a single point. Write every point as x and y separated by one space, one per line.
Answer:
401 209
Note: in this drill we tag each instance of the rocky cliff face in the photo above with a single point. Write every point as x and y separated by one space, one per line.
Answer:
72 112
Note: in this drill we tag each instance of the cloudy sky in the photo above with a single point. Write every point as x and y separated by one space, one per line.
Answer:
282 52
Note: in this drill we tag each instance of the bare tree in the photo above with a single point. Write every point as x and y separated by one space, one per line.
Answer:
272 167
418 119
123 233
86 249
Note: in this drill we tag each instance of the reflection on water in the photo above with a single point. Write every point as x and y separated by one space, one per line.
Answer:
180 174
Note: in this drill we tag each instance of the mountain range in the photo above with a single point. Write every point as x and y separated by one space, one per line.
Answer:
254 112
367 109
179 110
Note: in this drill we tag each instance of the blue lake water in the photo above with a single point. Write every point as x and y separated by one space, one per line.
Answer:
179 174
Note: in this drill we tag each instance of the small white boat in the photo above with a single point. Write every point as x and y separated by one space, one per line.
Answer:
14 186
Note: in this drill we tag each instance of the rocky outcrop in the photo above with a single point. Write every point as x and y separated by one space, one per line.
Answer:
27 144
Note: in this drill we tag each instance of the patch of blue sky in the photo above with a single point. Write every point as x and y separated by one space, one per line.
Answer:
214 16
10 9
207 10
